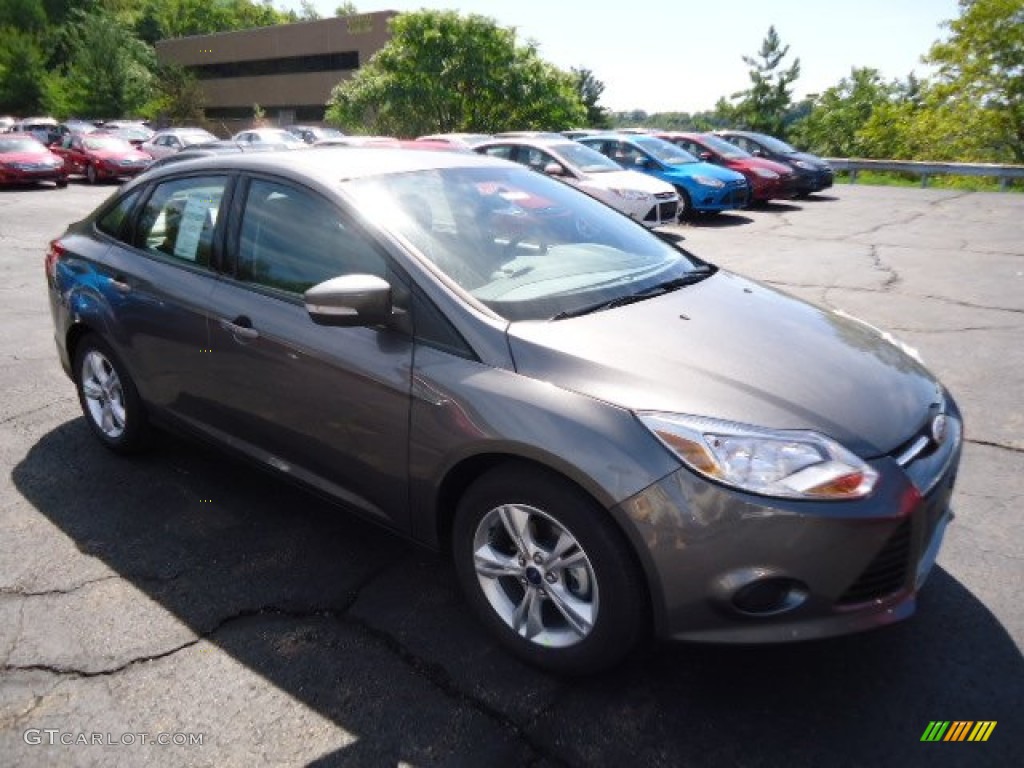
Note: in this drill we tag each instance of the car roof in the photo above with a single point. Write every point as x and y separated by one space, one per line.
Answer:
527 141
329 165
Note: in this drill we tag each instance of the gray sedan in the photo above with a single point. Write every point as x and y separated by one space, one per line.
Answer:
610 435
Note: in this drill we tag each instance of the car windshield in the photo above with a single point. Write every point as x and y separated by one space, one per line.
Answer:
522 244
585 159
664 151
776 145
190 139
20 145
109 143
279 137
724 148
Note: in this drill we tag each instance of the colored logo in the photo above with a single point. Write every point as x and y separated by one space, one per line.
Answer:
958 730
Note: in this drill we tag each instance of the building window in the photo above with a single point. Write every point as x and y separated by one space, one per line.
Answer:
288 65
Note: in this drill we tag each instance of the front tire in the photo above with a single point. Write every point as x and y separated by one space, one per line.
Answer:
107 394
547 572
685 205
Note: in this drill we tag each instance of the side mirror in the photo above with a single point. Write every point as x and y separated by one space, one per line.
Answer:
350 300
554 169
757 153
705 156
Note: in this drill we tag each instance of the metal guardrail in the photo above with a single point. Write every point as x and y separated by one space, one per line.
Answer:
925 169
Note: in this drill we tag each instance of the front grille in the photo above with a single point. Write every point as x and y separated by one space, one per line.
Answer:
662 212
887 573
737 197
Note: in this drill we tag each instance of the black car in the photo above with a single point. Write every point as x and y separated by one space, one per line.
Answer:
812 173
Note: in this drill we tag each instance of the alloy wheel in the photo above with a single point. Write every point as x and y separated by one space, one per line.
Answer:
535 575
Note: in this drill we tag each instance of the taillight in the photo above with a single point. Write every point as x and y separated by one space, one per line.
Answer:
57 250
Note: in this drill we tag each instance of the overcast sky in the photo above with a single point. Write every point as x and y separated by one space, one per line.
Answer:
681 55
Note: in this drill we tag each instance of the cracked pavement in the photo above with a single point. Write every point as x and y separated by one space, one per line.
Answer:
290 633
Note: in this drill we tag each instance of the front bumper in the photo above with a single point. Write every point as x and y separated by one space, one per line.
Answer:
814 181
728 566
10 175
735 194
782 188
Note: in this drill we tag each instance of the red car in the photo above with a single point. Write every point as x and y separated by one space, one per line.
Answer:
98 156
25 160
768 180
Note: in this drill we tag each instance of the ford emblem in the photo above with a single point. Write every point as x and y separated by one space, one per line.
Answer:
939 429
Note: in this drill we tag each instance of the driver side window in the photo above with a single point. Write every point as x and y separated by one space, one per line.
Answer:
292 239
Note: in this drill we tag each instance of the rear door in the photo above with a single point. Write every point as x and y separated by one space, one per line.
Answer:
327 405
158 277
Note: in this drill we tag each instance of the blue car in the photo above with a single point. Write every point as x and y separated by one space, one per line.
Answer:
703 187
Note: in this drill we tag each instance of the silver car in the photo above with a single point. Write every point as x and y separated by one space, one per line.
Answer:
610 435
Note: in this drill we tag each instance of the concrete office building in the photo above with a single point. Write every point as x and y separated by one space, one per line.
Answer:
289 69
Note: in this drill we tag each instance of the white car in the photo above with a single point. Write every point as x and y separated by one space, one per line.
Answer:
282 138
173 140
649 201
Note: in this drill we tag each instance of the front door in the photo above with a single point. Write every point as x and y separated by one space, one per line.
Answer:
328 405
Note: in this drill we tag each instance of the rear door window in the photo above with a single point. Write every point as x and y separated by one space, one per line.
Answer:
180 217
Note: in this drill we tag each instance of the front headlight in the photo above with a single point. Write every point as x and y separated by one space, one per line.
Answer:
631 194
707 181
803 164
789 464
765 173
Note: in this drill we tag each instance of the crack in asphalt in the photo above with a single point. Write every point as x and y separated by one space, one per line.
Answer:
17 634
31 411
929 331
65 591
991 444
432 672
862 289
435 674
878 265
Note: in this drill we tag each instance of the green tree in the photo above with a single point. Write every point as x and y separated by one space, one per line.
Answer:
22 72
111 69
837 116
23 15
982 64
346 9
590 89
178 96
764 105
445 72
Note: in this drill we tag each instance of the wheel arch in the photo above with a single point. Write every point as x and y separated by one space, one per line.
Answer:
461 476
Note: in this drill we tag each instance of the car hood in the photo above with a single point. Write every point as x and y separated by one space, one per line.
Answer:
814 160
28 157
627 180
689 170
759 162
106 154
734 349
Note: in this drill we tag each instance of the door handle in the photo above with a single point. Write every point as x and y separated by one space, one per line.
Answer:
240 327
120 284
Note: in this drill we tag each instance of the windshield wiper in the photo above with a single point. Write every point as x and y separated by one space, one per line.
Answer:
659 289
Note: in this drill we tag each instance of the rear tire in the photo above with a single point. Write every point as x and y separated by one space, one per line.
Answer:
547 572
61 183
107 394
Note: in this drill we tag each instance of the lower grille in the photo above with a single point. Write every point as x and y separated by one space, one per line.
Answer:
887 573
662 212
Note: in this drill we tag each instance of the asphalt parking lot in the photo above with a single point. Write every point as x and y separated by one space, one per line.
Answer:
185 594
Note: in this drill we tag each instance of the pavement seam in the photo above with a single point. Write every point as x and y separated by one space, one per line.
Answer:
66 591
991 444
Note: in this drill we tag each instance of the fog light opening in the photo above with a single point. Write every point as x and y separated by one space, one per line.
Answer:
769 597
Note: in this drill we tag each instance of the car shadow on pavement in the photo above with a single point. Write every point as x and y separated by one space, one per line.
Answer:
718 220
371 633
777 206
